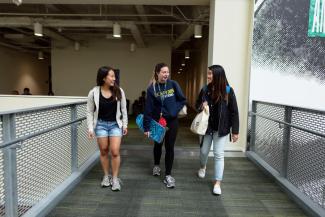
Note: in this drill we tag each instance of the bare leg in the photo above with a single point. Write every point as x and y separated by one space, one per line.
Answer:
115 142
103 144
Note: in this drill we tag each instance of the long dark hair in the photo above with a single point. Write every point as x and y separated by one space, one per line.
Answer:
217 88
101 74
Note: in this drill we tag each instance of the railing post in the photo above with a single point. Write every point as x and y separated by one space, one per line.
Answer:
10 167
74 140
286 141
253 128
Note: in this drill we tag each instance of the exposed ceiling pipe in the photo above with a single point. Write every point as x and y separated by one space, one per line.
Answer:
85 15
48 22
180 11
118 2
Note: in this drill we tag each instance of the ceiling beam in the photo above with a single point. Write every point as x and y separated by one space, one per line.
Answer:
185 36
117 2
47 22
137 35
140 10
8 45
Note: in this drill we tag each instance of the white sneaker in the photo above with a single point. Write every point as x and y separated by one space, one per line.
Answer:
201 173
156 171
107 181
217 190
116 184
169 181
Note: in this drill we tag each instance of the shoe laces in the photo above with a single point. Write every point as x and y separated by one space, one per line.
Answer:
118 180
170 179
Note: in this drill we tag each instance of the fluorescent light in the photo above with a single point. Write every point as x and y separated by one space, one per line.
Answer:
183 63
38 29
187 54
116 30
40 55
197 31
76 46
178 72
17 2
132 47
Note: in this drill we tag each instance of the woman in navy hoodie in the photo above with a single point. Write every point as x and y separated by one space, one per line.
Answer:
164 101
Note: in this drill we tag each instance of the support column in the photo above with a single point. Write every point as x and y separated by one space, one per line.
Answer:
230 41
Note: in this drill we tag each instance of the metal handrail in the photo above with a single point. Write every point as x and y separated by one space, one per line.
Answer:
21 139
41 108
294 107
289 124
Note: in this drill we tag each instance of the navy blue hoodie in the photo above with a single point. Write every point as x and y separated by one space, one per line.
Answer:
167 98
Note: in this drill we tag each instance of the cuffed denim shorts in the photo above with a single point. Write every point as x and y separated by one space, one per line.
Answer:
107 129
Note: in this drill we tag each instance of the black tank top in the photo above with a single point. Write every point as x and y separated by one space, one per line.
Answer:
107 108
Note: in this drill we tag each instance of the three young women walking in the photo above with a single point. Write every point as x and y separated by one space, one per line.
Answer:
107 120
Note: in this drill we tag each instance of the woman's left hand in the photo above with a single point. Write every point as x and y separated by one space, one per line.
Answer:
234 137
125 131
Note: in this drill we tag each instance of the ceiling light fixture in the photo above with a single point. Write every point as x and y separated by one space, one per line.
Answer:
132 47
17 2
76 46
116 30
187 54
38 29
198 31
40 55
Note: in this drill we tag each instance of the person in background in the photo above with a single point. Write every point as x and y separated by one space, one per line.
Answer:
223 119
26 91
164 100
107 120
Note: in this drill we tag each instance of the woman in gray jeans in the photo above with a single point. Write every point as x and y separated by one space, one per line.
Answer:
223 119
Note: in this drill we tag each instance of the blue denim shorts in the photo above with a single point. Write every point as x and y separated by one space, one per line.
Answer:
107 129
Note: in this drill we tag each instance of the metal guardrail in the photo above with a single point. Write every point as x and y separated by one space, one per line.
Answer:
289 143
44 153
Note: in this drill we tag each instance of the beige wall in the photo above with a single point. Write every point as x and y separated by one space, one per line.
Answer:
19 70
74 72
230 46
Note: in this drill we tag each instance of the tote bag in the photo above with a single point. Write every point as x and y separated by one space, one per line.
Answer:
201 121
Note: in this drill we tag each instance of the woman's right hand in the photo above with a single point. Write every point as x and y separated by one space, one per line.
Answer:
147 134
91 135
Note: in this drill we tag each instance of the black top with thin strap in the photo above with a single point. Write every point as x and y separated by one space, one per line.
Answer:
107 108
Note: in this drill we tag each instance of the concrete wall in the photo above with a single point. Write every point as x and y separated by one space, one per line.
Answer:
19 70
74 72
